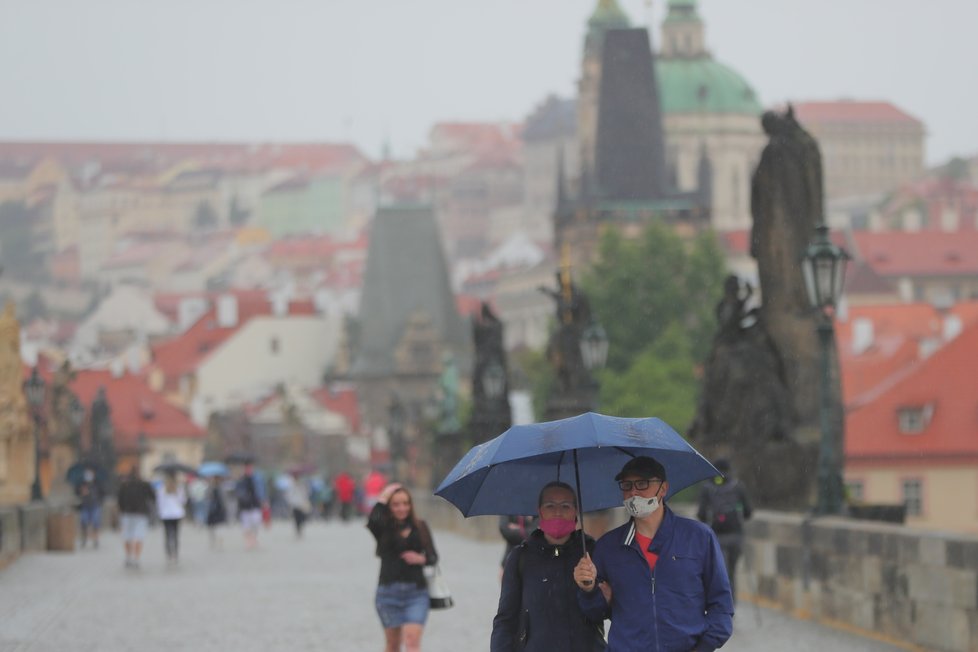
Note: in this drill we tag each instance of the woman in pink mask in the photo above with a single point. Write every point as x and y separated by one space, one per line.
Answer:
538 601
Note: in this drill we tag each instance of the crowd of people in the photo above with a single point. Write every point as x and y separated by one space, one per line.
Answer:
664 582
172 497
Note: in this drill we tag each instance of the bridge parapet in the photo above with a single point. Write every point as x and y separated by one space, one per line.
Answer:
908 584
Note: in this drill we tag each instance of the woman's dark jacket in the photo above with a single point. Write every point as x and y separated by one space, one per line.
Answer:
394 537
538 607
216 511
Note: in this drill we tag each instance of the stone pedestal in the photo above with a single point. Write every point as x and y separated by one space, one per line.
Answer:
62 527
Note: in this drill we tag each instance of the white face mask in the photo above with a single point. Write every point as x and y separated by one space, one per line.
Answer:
640 507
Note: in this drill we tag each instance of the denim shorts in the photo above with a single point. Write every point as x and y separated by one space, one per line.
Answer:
400 603
91 517
133 526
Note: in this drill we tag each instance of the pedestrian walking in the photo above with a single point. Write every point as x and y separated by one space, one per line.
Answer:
659 577
90 494
514 529
346 488
248 494
297 496
538 609
405 546
723 505
136 498
217 513
373 484
171 499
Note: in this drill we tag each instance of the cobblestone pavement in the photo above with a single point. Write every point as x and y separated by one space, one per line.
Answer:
313 594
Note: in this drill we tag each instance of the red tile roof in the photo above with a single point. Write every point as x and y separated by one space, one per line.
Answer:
945 383
851 111
918 253
135 156
135 408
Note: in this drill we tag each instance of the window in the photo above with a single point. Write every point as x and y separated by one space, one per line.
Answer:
913 420
856 491
913 496
273 346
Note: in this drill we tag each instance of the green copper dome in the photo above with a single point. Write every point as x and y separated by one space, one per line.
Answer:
702 85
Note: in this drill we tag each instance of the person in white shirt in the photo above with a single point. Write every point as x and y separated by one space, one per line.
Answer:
170 501
297 496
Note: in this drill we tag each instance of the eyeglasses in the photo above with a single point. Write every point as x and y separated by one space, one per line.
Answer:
553 507
641 485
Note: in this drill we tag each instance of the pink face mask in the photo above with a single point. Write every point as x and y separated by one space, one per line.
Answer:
557 528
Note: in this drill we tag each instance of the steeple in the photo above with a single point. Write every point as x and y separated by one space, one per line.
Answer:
607 15
682 31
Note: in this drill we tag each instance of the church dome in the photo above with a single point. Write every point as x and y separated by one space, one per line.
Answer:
703 85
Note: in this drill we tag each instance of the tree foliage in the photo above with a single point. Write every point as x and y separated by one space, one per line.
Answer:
659 382
655 297
638 288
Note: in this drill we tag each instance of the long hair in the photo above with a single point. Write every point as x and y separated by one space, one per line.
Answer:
170 483
411 517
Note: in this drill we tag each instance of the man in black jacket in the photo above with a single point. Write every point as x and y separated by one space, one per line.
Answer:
136 497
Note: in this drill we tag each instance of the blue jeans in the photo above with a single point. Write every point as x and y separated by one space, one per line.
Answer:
401 603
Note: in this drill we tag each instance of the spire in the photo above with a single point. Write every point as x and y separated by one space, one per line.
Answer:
607 15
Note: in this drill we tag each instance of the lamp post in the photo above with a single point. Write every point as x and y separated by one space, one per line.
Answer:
594 354
34 388
142 447
824 268
76 412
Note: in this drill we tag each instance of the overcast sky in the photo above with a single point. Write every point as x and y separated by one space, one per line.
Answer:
370 70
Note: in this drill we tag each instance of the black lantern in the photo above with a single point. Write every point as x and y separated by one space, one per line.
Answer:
824 268
34 388
493 380
76 412
594 347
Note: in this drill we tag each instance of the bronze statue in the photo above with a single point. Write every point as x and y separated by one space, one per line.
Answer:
573 311
490 409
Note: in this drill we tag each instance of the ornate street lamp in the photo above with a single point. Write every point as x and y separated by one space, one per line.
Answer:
493 380
34 388
76 412
824 269
594 347
142 447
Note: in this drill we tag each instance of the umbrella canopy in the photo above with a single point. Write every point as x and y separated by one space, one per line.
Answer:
174 467
213 469
504 475
76 472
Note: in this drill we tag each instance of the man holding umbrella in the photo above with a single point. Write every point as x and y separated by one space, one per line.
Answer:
659 565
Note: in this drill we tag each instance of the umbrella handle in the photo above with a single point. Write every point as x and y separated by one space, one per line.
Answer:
580 501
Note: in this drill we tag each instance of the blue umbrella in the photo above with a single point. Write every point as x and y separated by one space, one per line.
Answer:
213 469
504 475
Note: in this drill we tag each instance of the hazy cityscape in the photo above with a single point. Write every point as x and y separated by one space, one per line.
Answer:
328 240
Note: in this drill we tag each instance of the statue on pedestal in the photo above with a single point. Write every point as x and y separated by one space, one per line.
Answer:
16 441
491 414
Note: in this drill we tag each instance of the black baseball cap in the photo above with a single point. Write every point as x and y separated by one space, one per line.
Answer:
644 467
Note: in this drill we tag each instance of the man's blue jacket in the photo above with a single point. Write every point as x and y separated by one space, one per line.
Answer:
684 604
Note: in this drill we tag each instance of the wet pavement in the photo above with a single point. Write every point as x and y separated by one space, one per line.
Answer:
309 594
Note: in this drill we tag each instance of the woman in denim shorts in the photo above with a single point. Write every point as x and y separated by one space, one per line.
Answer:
405 547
